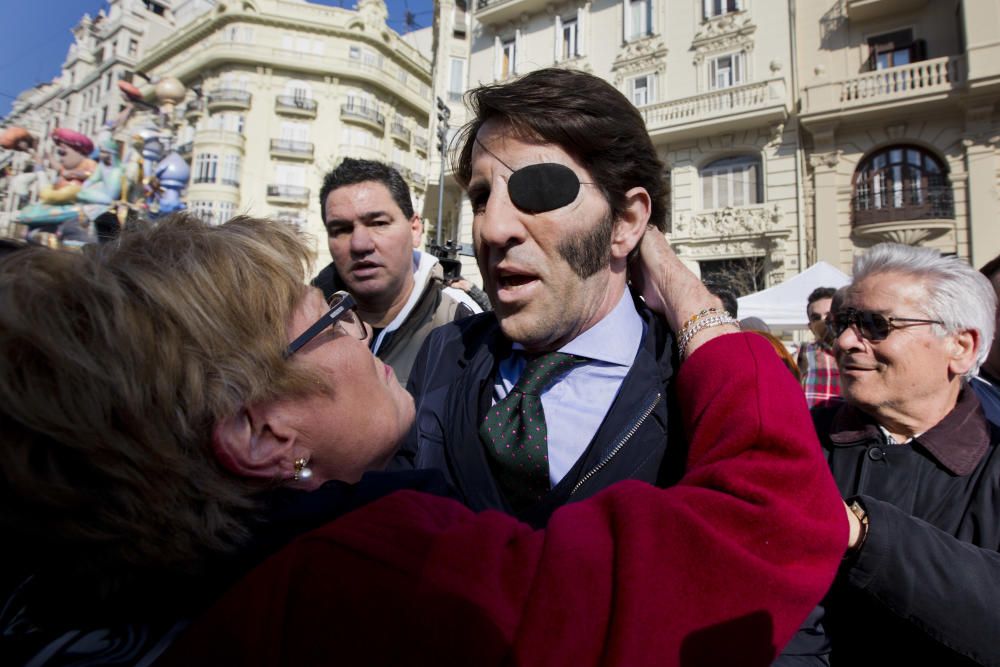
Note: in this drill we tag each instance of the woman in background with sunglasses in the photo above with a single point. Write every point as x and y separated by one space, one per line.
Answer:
176 406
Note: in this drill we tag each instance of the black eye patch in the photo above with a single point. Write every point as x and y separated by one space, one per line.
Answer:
543 187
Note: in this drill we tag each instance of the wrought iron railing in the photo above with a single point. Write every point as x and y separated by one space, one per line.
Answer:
912 201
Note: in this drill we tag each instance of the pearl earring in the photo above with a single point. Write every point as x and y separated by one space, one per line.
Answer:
301 470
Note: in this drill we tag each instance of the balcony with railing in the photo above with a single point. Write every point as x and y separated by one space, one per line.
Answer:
420 142
867 10
403 171
219 137
295 150
287 194
228 98
363 114
889 87
498 11
911 213
295 106
724 110
400 133
194 109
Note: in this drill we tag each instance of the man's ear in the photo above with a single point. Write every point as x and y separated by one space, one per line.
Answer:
631 224
252 443
963 350
417 229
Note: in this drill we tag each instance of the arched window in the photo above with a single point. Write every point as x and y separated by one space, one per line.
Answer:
731 181
901 183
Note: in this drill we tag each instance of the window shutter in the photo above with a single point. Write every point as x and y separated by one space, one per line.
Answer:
557 47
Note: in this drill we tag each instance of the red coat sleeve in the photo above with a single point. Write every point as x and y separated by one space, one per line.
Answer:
718 569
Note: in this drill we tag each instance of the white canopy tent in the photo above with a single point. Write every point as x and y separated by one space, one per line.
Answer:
784 306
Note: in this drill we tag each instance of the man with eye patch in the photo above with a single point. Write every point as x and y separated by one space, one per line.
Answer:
918 463
563 180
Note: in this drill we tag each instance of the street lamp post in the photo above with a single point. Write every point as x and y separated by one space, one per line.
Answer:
443 114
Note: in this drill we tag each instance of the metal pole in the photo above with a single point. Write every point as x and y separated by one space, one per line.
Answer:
437 236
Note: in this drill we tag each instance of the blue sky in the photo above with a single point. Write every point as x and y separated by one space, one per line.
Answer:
35 34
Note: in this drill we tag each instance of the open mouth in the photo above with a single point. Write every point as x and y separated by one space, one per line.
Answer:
511 281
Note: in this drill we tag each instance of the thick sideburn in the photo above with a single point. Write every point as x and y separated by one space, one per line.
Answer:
589 252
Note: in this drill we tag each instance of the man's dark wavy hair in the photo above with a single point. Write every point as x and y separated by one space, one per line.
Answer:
352 172
585 116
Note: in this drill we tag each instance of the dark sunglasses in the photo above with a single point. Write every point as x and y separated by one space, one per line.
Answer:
541 187
871 325
341 315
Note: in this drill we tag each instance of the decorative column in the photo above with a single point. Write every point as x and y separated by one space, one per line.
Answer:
981 189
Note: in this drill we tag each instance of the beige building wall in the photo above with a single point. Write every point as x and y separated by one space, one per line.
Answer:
908 79
451 38
287 90
713 82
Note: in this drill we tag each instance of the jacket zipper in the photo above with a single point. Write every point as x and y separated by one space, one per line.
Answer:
618 447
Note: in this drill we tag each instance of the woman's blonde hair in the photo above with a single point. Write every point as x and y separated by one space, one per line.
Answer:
115 364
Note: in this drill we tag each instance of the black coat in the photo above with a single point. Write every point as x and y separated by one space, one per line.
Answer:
925 587
453 379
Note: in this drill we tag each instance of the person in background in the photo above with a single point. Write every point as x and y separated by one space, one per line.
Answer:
918 464
729 302
987 383
816 362
177 405
373 232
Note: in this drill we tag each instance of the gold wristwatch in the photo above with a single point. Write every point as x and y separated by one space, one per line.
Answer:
862 515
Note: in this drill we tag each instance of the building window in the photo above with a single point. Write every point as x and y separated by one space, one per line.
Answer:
202 209
366 56
638 18
205 167
719 7
290 217
154 7
894 49
231 170
133 47
568 39
727 71
740 275
299 91
456 79
460 19
901 183
641 90
227 210
508 58
293 175
733 181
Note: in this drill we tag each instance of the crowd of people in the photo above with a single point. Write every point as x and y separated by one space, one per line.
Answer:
210 456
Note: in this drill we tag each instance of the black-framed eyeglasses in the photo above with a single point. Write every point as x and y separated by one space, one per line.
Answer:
341 315
871 325
542 187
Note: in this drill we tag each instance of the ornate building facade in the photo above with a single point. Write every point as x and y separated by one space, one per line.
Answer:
899 112
712 78
280 91
791 131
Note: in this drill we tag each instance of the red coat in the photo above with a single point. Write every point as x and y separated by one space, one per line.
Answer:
719 569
